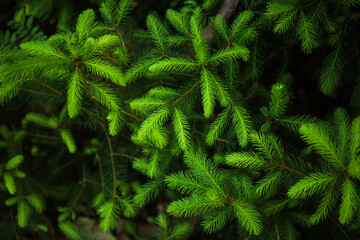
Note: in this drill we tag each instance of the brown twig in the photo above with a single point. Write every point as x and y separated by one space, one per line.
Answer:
133 116
121 37
48 87
340 227
186 93
124 155
109 57
308 4
217 139
43 136
226 10
36 92
287 168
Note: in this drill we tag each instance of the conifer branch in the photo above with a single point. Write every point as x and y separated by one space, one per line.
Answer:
121 38
13 223
123 111
124 155
58 169
286 168
340 227
184 94
249 237
37 92
101 172
272 54
217 139
111 152
43 136
109 57
133 116
83 183
48 87
276 230
308 4
163 122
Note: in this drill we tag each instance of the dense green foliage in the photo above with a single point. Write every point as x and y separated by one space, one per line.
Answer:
203 124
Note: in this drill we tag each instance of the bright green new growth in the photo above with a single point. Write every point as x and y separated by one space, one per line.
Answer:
70 230
166 231
341 152
9 173
209 195
12 179
54 123
77 58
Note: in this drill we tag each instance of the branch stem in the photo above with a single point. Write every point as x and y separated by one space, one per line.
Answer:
186 93
287 168
47 86
133 116
112 161
124 155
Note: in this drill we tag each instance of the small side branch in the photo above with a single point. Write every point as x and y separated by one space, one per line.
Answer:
133 116
287 168
124 155
109 57
340 227
48 87
83 184
186 93
217 139
112 161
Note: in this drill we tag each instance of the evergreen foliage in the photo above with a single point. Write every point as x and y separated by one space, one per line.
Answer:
239 118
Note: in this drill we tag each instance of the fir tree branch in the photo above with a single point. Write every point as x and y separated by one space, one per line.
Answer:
93 182
43 136
93 114
13 223
36 92
123 111
316 11
272 54
112 160
101 172
218 139
121 38
133 116
47 86
308 4
277 231
59 168
80 191
124 155
109 57
344 30
183 74
340 227
287 168
186 93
